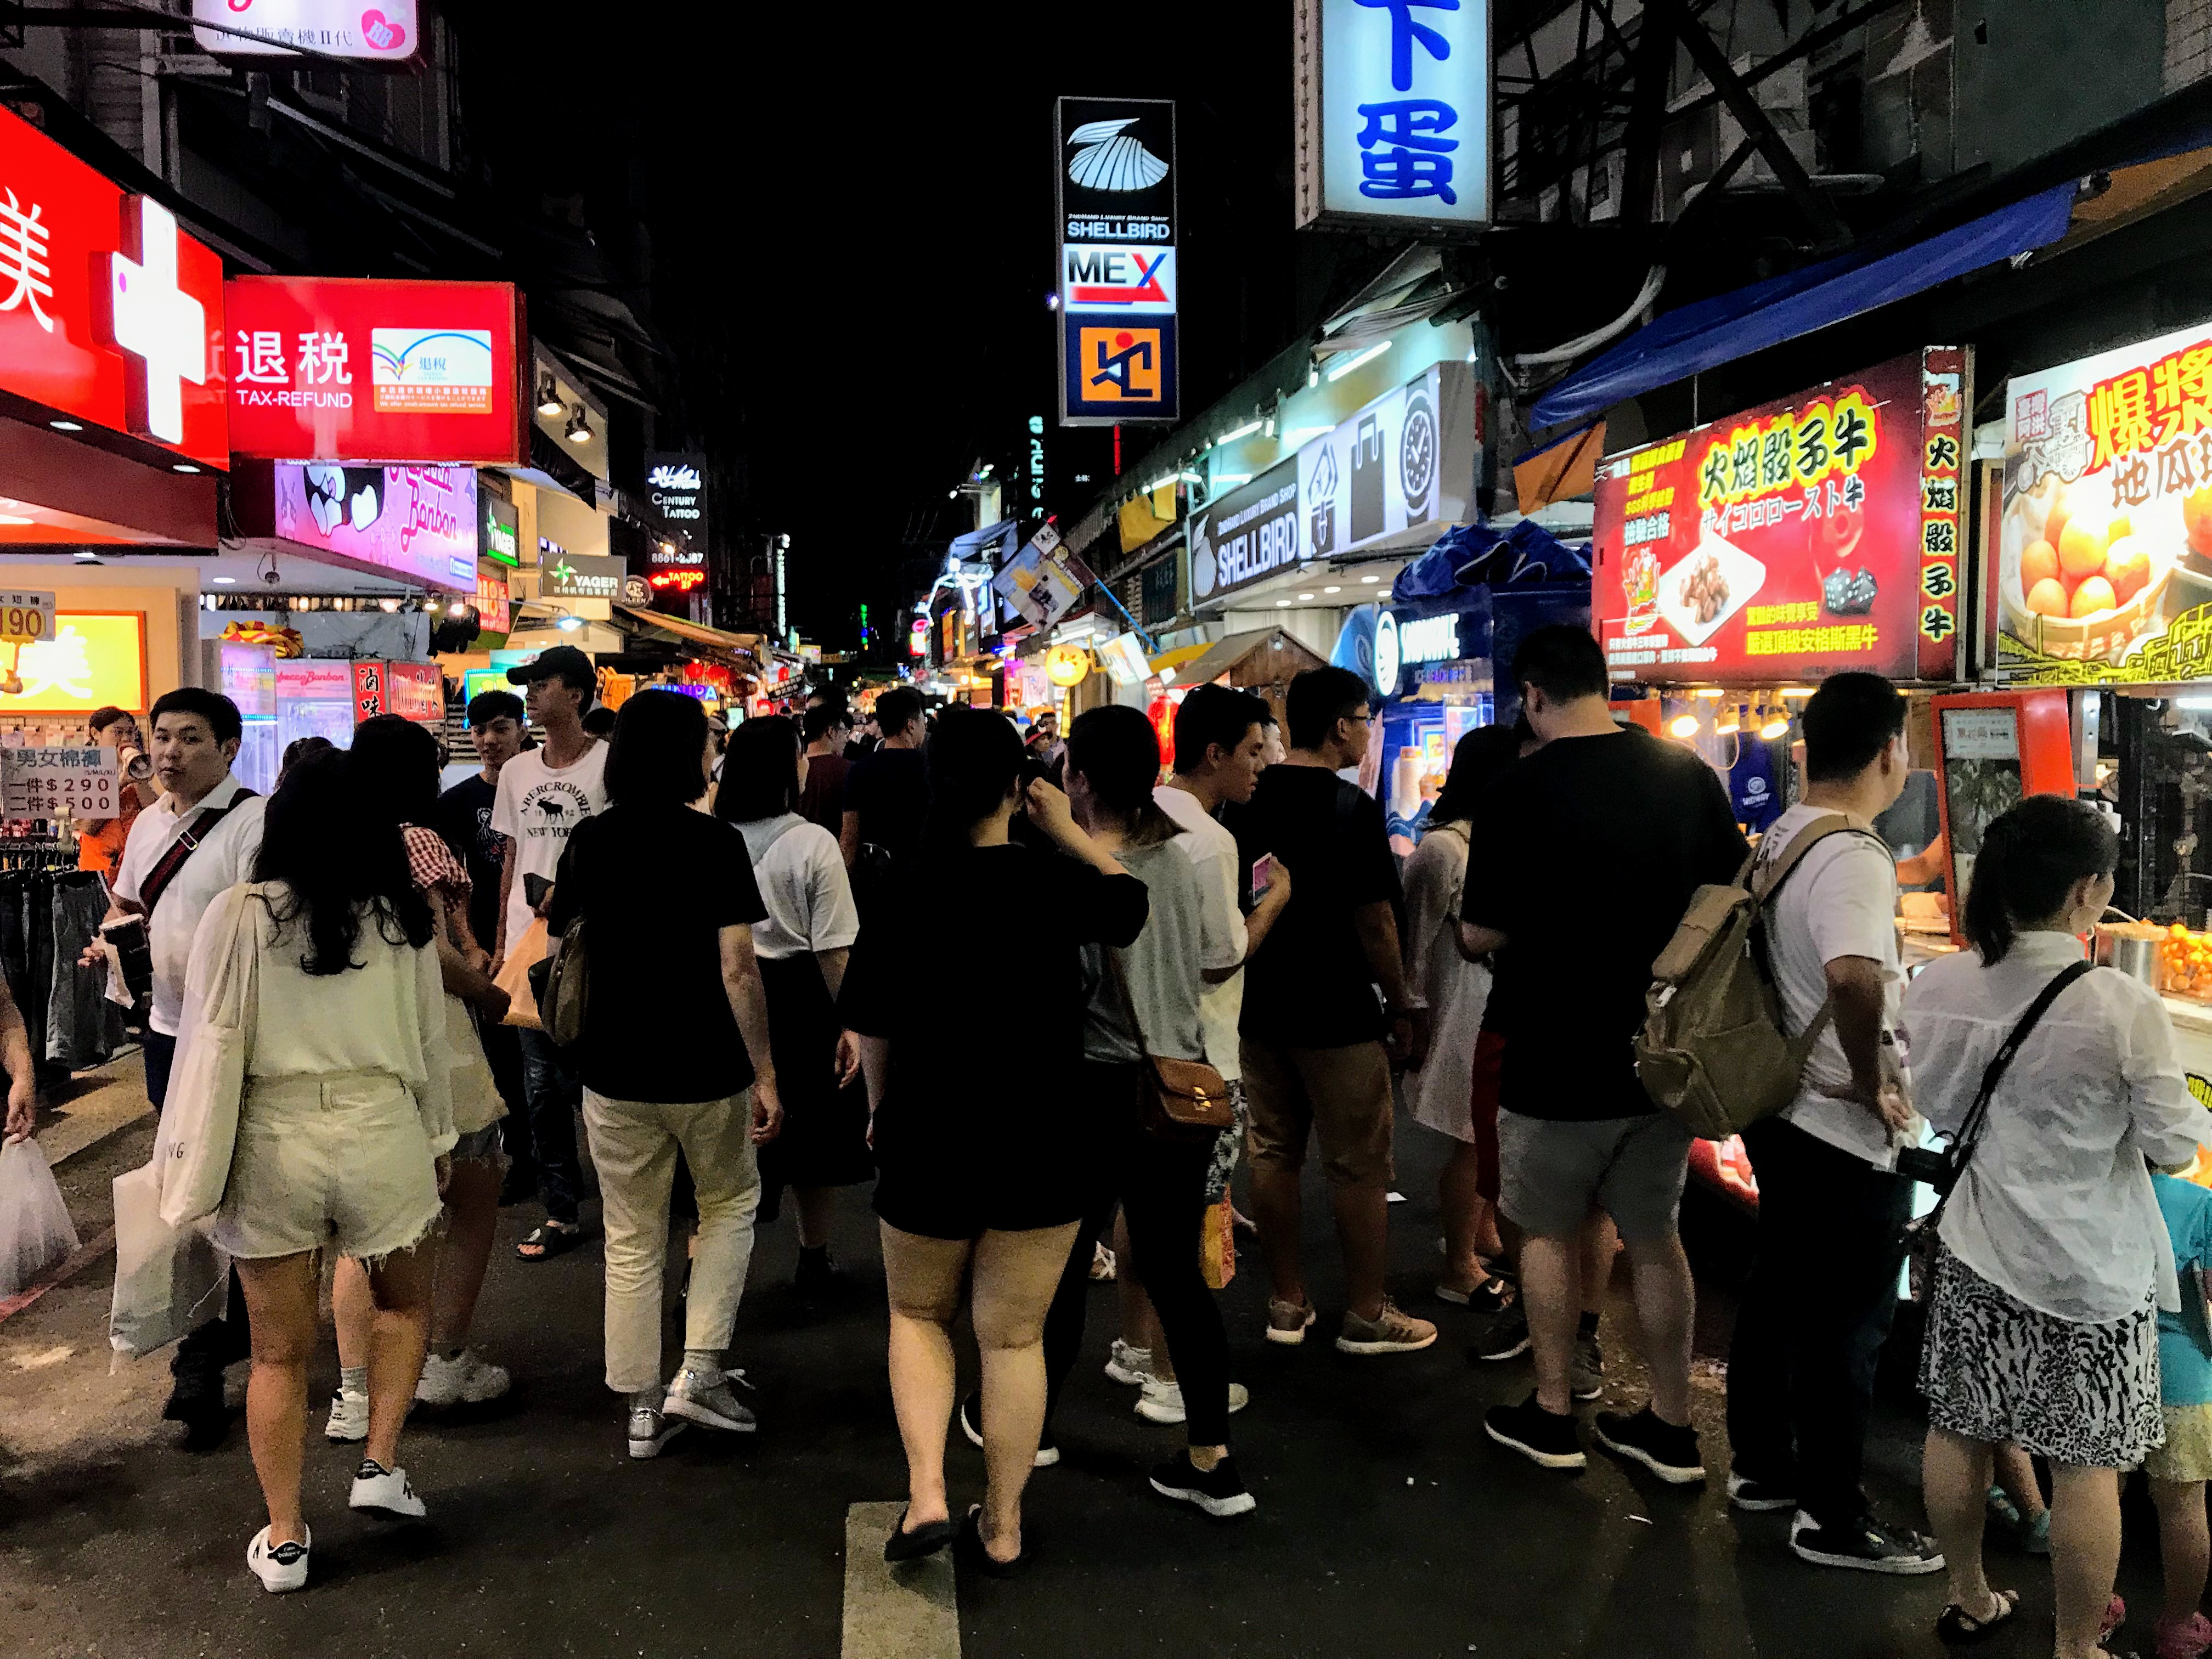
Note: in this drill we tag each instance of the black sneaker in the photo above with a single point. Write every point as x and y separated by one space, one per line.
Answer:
971 1424
1218 1490
1866 1544
1760 1497
1546 1441
1668 1452
818 1278
1507 1337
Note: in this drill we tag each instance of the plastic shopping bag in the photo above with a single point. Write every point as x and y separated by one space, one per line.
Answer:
522 956
169 1281
35 1233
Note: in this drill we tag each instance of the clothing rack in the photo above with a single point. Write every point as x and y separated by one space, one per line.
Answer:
37 853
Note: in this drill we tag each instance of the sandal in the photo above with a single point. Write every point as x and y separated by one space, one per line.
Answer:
549 1240
970 1547
1955 1625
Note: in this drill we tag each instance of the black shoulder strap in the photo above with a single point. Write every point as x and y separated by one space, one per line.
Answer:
187 842
1970 1130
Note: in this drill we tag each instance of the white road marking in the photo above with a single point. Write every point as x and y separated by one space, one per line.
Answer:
895 1613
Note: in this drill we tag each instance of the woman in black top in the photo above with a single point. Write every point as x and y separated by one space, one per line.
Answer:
675 1036
981 1164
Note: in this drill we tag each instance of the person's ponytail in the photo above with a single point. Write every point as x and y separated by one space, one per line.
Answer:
2030 859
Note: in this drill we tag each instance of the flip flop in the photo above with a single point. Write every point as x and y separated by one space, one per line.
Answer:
549 1241
1955 1625
925 1539
971 1548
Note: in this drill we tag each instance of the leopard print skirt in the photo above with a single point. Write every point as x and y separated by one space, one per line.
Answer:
1993 1368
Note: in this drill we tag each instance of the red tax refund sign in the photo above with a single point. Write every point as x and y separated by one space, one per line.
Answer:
109 314
1793 539
331 369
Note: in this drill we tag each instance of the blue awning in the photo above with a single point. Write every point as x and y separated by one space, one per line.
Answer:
1729 325
1002 538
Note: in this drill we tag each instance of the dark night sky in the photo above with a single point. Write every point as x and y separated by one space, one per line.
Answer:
852 227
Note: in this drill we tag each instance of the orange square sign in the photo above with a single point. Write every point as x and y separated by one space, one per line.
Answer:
1121 365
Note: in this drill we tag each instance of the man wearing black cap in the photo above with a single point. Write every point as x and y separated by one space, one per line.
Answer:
544 794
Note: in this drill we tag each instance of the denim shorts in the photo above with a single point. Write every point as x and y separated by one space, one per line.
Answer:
339 1161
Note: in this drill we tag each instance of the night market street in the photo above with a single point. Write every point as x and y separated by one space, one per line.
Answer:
1387 1524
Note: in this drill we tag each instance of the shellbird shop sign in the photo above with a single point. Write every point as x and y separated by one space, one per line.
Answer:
1793 539
2103 563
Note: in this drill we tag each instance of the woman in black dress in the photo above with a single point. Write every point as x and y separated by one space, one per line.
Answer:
802 947
980 1156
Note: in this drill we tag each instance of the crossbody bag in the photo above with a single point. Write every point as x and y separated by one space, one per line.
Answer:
1177 1099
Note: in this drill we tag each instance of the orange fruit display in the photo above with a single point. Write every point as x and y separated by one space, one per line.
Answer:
2048 598
2037 562
2127 567
2197 518
2094 594
2062 509
2082 549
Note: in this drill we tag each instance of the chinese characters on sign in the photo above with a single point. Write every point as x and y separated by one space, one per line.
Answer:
386 33
1394 111
93 659
565 575
323 368
1116 176
57 783
109 313
1792 540
2103 552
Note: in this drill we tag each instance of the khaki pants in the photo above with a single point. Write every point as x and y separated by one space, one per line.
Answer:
634 1146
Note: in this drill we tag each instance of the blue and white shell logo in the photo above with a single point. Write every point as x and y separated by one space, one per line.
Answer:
1387 660
1107 158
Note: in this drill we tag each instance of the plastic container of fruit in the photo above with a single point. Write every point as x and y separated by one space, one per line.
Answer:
2101 542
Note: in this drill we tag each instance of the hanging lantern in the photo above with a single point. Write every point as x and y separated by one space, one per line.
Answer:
1067 665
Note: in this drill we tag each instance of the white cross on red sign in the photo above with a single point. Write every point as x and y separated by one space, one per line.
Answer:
159 326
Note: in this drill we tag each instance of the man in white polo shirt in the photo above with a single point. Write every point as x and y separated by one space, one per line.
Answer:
198 841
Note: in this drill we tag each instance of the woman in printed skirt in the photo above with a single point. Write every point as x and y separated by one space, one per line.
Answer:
802 946
2051 1262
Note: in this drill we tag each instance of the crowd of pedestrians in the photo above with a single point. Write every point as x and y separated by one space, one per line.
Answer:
430 992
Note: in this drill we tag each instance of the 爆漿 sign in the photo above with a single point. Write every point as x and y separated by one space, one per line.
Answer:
1394 112
330 369
1793 539
1116 174
385 31
109 314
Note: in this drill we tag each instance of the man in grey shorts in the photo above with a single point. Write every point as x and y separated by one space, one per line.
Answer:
1576 879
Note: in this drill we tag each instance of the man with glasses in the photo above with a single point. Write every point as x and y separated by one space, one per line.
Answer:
1318 1042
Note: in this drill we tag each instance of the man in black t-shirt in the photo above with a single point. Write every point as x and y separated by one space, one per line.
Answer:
498 721
1585 865
886 796
1312 1031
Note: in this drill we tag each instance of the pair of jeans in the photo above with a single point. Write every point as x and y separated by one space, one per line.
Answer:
1161 1187
634 1146
1818 1308
554 1091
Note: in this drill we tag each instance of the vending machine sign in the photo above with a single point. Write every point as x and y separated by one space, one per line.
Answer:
2103 566
1793 539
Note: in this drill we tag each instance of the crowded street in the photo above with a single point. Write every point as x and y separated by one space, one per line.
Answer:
1377 832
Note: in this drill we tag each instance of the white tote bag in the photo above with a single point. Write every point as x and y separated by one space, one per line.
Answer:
199 1117
169 1281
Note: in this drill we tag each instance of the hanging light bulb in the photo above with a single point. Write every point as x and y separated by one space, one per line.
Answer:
1776 723
1683 725
578 429
549 396
1729 719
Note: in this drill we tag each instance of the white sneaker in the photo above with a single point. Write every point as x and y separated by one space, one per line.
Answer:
1131 1365
692 1396
348 1424
1162 1403
464 1380
376 1487
282 1568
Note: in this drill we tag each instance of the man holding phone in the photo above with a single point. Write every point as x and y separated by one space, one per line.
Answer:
542 795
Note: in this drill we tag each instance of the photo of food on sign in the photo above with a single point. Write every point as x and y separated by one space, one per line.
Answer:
1790 540
2104 566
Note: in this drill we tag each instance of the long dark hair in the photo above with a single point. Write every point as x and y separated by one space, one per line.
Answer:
972 759
760 771
395 765
341 858
1118 752
1482 754
2029 861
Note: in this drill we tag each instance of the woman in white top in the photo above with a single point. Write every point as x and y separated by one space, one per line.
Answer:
802 947
1440 1094
2053 1261
344 1130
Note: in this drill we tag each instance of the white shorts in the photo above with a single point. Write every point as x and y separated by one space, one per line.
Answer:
339 1161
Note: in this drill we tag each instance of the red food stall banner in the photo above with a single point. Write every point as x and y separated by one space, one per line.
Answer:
414 690
109 314
1791 540
346 369
369 696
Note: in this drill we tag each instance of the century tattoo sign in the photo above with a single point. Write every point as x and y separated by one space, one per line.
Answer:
1393 114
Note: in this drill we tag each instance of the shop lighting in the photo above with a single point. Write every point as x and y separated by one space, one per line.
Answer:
1282 604
1797 691
1270 427
1313 378
1684 725
1729 722
569 624
1243 431
1190 478
1777 725
1303 597
1366 356
225 581
1708 691
66 426
578 429
182 467
1158 485
1052 303
548 397
1231 480
1369 581
390 607
1331 590
458 608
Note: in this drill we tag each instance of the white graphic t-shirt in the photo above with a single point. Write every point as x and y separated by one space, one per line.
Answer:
538 808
